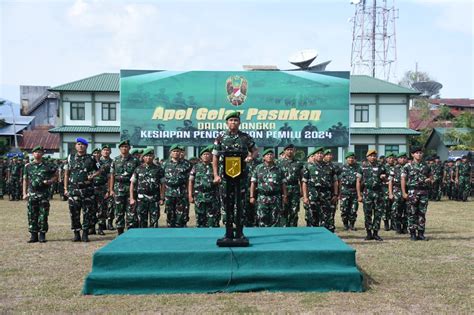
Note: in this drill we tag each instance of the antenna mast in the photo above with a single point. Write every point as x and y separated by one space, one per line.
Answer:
374 39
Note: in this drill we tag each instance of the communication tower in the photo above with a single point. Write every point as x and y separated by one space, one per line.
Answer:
374 50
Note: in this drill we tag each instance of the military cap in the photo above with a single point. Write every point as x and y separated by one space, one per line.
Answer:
327 151
382 157
37 148
181 147
318 149
402 155
105 146
148 151
96 150
289 146
371 151
464 156
265 152
235 114
124 142
209 149
390 155
82 140
415 149
349 154
176 147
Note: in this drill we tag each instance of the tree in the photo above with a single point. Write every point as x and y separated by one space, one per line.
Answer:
445 113
465 120
411 77
463 140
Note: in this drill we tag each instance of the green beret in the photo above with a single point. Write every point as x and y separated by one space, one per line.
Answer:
289 146
182 148
209 149
133 151
402 155
148 151
349 154
96 150
235 114
37 148
124 142
327 151
265 152
105 146
415 149
318 149
390 155
176 147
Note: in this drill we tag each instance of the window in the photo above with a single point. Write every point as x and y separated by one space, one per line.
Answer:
361 113
78 111
109 111
391 149
360 151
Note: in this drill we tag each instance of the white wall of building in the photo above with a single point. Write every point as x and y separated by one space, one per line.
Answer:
393 116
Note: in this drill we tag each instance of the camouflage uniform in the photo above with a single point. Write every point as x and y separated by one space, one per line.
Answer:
100 190
437 171
464 180
399 205
122 168
387 203
448 182
293 170
249 210
349 203
417 204
80 190
147 179
15 179
337 172
268 182
3 175
38 201
206 195
176 201
372 196
320 180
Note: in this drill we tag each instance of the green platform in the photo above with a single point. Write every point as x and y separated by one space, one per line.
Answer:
160 261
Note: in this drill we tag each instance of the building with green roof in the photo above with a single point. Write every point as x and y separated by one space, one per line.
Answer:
90 108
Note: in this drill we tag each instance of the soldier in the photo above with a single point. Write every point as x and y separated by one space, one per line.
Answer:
319 191
148 179
15 175
121 171
232 141
348 191
37 178
3 176
449 179
463 178
268 183
387 202
96 182
328 157
101 188
203 192
249 209
293 170
417 177
175 190
106 164
62 162
373 175
455 188
437 178
188 166
80 170
399 206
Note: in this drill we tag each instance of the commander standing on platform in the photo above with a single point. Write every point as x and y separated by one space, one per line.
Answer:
233 141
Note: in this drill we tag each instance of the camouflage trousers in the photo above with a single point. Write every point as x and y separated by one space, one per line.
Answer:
250 212
38 211
399 209
2 186
269 209
100 205
15 188
417 205
233 199
289 216
207 212
435 193
148 206
349 207
176 209
81 199
319 212
373 208
464 188
387 205
124 214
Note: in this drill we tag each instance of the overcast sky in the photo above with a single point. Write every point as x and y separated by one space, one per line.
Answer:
55 42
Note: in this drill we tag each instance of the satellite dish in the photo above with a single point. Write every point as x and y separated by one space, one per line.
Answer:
303 58
355 1
427 88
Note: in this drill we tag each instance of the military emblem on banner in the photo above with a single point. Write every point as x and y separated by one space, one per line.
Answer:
233 166
236 87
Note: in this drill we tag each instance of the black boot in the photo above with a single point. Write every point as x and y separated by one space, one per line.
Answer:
33 237
42 237
376 236
101 229
119 231
92 231
77 236
386 226
404 229
398 228
346 225
369 235
85 236
421 236
413 235
352 226
110 225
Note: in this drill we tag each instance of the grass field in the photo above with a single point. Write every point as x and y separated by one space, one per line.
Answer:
401 276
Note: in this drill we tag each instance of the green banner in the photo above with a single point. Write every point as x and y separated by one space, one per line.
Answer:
277 107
